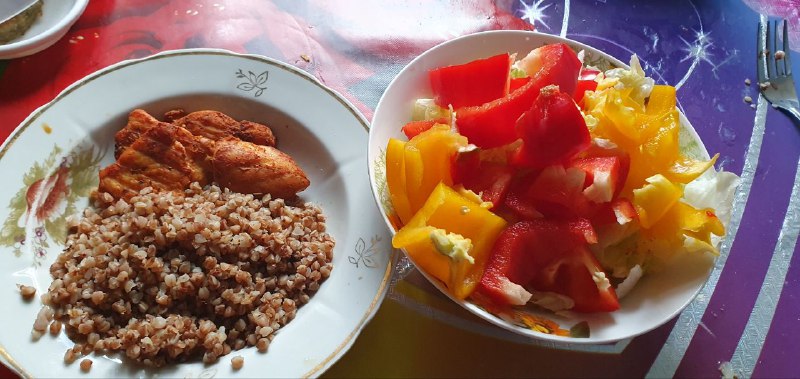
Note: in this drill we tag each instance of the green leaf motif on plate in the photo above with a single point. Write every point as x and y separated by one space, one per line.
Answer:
50 191
253 81
365 254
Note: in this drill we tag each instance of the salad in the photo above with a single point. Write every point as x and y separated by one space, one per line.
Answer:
544 182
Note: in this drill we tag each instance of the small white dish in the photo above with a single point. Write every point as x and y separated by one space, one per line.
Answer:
322 131
656 299
57 17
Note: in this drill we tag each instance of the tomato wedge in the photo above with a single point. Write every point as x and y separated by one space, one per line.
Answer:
493 124
472 83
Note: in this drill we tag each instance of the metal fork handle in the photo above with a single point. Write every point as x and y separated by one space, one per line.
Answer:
791 110
794 112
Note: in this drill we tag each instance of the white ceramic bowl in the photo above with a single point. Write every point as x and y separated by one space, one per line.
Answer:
57 17
657 297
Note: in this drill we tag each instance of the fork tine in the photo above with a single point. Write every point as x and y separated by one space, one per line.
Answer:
761 56
787 62
769 52
779 66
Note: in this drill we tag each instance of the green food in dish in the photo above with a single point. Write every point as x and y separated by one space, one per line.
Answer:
19 24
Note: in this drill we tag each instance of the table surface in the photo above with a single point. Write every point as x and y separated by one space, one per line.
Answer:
747 314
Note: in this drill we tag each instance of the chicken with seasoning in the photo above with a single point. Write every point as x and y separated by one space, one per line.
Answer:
204 147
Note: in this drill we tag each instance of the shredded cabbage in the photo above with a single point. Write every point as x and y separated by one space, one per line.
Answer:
634 79
517 73
426 109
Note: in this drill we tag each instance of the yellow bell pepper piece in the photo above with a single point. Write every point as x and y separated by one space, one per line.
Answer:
656 152
684 220
418 244
621 111
414 169
686 169
396 179
654 199
662 148
454 213
662 100
436 147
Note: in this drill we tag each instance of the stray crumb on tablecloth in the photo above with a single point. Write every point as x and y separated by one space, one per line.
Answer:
727 370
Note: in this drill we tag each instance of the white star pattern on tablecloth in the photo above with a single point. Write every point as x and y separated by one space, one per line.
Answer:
699 48
534 13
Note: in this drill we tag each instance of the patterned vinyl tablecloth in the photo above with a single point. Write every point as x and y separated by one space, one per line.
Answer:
748 313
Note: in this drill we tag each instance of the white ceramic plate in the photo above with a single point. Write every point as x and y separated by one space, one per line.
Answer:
320 129
655 300
57 17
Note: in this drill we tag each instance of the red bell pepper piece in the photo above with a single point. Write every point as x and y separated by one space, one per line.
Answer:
606 175
470 84
466 162
518 82
413 128
552 131
546 255
490 179
619 211
416 127
493 124
518 200
582 87
586 82
575 279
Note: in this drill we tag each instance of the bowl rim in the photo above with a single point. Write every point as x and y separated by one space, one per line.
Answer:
38 42
471 306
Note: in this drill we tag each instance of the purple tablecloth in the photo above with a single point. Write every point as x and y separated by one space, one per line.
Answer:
748 314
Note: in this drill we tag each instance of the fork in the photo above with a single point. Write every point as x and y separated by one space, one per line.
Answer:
775 71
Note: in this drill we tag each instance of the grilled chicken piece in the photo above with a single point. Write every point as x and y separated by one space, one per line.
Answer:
165 157
217 125
210 125
249 168
139 122
202 147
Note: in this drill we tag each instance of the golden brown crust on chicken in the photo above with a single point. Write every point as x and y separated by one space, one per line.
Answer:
217 125
256 133
139 122
172 115
249 168
202 147
162 158
211 125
